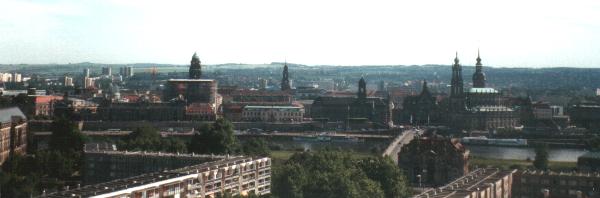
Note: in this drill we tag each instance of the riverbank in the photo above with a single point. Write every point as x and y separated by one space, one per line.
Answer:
524 153
517 164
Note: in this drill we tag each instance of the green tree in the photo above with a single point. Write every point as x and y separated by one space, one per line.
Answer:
174 145
256 147
145 138
66 137
541 157
337 174
387 173
217 138
18 177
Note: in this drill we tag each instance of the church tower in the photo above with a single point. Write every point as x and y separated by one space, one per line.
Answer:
362 89
457 81
478 76
457 97
285 81
195 71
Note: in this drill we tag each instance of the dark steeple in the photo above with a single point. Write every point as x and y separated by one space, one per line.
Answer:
478 76
457 81
362 89
425 91
195 68
285 81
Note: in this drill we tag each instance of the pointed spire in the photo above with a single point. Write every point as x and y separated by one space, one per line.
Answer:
478 58
285 81
195 71
456 58
425 89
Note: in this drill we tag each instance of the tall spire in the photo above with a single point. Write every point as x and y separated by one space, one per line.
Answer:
478 76
362 88
478 58
195 71
456 58
285 80
425 90
457 81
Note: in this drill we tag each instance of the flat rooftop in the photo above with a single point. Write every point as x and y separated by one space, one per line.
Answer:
463 186
145 179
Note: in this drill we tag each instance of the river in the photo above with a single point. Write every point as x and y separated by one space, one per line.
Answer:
522 153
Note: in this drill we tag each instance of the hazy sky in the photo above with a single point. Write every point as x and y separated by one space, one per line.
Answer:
509 33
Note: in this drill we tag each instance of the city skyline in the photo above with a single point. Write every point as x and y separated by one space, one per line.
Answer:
509 34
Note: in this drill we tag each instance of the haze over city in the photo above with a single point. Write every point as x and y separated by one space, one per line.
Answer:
509 33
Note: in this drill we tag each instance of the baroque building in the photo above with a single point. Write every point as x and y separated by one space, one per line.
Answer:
350 110
478 108
422 109
182 99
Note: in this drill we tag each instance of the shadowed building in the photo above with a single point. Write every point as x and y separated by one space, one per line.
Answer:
13 132
422 109
480 183
590 161
478 108
103 166
433 160
535 183
345 109
586 114
200 176
192 90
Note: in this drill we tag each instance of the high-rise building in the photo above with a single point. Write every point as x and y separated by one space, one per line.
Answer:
88 82
126 71
16 77
285 80
86 72
106 71
5 77
67 81
195 71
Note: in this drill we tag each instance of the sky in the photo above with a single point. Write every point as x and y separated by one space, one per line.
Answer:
509 33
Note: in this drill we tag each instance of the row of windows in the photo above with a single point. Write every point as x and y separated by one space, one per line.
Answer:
272 113
561 182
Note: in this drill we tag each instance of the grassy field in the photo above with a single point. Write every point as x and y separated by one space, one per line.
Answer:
521 164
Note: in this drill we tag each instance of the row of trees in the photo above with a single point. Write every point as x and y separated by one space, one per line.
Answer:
215 138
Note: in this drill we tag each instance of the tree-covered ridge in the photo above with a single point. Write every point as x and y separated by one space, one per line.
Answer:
338 174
